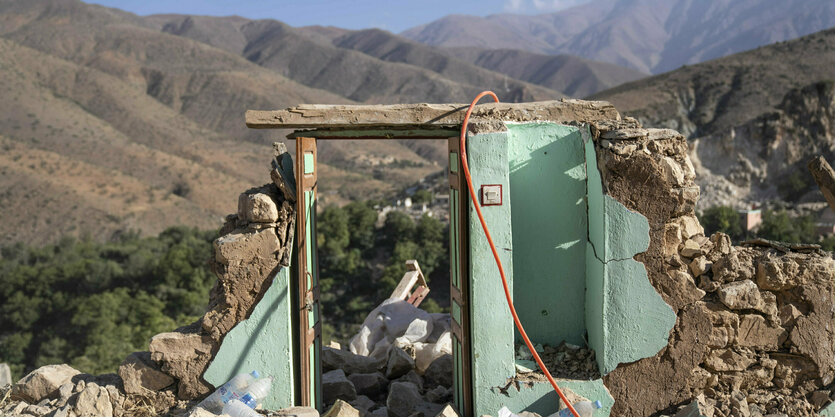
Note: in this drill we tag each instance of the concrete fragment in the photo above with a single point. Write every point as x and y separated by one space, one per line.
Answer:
335 385
342 409
5 375
447 411
297 412
399 363
140 373
42 383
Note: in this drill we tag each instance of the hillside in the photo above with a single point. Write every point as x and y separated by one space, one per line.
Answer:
754 119
109 124
648 35
575 76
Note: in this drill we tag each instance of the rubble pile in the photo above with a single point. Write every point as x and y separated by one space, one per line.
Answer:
399 363
564 361
754 334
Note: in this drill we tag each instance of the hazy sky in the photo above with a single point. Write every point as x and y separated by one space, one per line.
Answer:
392 15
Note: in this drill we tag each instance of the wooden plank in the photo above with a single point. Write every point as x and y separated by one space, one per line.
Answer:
824 175
424 115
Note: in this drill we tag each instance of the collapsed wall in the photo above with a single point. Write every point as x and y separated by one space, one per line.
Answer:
754 331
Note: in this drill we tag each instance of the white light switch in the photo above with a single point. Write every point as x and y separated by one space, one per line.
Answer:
491 195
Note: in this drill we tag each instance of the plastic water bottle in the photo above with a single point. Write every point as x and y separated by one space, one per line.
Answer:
584 409
214 402
256 392
236 408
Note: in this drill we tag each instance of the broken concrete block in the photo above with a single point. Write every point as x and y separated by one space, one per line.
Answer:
42 383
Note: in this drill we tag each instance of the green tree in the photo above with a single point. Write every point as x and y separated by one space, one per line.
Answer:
422 196
722 219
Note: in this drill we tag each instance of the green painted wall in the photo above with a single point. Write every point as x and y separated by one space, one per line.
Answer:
828 411
262 342
548 189
491 323
626 318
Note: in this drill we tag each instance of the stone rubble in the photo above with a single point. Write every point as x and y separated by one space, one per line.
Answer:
564 361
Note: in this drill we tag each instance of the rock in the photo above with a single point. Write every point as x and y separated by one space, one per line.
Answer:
529 414
439 372
63 411
336 386
700 266
202 412
371 384
93 401
140 373
788 315
42 383
184 356
5 375
380 412
257 208
342 409
425 409
721 243
64 393
403 398
349 362
439 394
297 412
399 363
36 410
412 377
819 398
725 360
691 249
744 295
672 171
690 226
755 331
681 289
363 404
448 411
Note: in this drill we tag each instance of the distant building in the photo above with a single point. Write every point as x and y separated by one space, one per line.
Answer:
750 218
826 222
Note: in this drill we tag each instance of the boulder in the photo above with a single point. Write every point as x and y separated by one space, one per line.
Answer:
691 249
93 401
380 412
371 384
342 409
139 373
399 363
403 399
349 362
363 404
257 208
42 383
412 377
439 372
184 356
439 394
335 386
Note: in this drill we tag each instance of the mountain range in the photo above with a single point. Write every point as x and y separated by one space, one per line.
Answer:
112 122
648 35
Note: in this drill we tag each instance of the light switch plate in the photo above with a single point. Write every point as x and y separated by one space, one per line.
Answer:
491 195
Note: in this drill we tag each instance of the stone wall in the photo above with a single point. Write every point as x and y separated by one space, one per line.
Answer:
754 332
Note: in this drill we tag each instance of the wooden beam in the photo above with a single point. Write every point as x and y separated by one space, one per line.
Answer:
422 115
824 175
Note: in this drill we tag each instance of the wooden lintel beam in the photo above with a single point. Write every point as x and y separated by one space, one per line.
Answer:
424 115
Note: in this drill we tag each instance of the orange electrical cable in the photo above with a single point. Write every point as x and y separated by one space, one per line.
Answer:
466 168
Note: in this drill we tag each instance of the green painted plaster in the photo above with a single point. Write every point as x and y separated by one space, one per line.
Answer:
309 163
491 323
828 411
548 188
262 342
626 318
541 398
